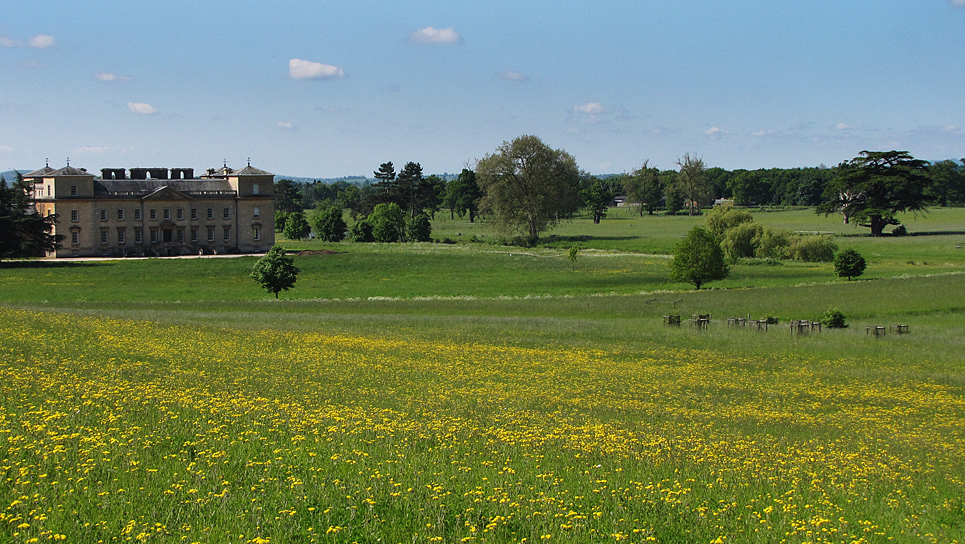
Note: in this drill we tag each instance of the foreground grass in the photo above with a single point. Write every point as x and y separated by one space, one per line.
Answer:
132 430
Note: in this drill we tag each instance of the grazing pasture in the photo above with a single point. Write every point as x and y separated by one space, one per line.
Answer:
479 393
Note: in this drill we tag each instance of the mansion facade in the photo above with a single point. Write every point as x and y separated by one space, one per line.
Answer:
153 212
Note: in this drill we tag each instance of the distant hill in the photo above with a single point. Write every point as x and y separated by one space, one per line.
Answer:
11 175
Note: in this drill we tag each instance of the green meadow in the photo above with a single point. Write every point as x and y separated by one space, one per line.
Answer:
473 392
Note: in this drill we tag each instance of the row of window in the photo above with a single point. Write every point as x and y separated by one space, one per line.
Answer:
157 235
166 214
255 190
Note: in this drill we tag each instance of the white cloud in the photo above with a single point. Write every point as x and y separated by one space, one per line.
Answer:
306 69
285 125
591 108
957 3
140 107
434 35
844 126
761 133
5 149
7 42
107 76
512 75
713 132
41 41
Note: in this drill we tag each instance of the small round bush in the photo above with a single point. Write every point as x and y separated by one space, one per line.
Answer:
834 319
900 230
849 264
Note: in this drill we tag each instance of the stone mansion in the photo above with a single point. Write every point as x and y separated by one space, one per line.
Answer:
156 212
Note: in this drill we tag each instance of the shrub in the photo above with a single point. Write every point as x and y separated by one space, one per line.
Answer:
773 244
900 230
834 319
388 223
329 225
739 240
813 249
296 226
362 230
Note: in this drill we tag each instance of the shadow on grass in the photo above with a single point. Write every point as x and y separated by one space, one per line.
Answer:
48 264
584 238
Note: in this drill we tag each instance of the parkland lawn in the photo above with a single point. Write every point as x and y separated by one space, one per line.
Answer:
481 393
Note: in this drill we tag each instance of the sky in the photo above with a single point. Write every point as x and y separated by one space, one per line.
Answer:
327 89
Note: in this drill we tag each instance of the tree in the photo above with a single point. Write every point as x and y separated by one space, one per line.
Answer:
286 196
725 217
23 231
644 186
419 229
274 271
875 186
388 223
596 198
280 219
463 194
409 191
362 230
329 225
698 259
849 264
528 187
691 181
948 182
296 226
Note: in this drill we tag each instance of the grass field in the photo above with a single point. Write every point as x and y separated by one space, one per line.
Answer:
479 393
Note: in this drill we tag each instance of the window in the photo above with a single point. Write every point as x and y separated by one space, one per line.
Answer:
137 214
153 214
194 235
103 215
167 213
210 213
256 233
120 236
180 214
48 190
180 235
73 190
74 237
74 215
227 213
256 212
227 234
138 236
194 213
153 236
255 189
210 234
104 235
120 215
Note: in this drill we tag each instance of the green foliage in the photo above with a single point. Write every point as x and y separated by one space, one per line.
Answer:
528 187
281 217
721 218
462 195
419 229
274 271
848 264
596 198
329 225
813 249
362 231
698 259
741 240
872 188
691 182
900 230
286 196
388 223
834 319
644 187
296 226
23 233
572 253
773 244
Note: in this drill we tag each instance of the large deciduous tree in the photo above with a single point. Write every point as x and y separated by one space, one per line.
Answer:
874 186
329 225
463 194
698 259
691 181
596 198
643 186
23 232
528 187
296 226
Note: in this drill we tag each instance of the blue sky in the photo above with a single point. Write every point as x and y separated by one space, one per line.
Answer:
328 89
